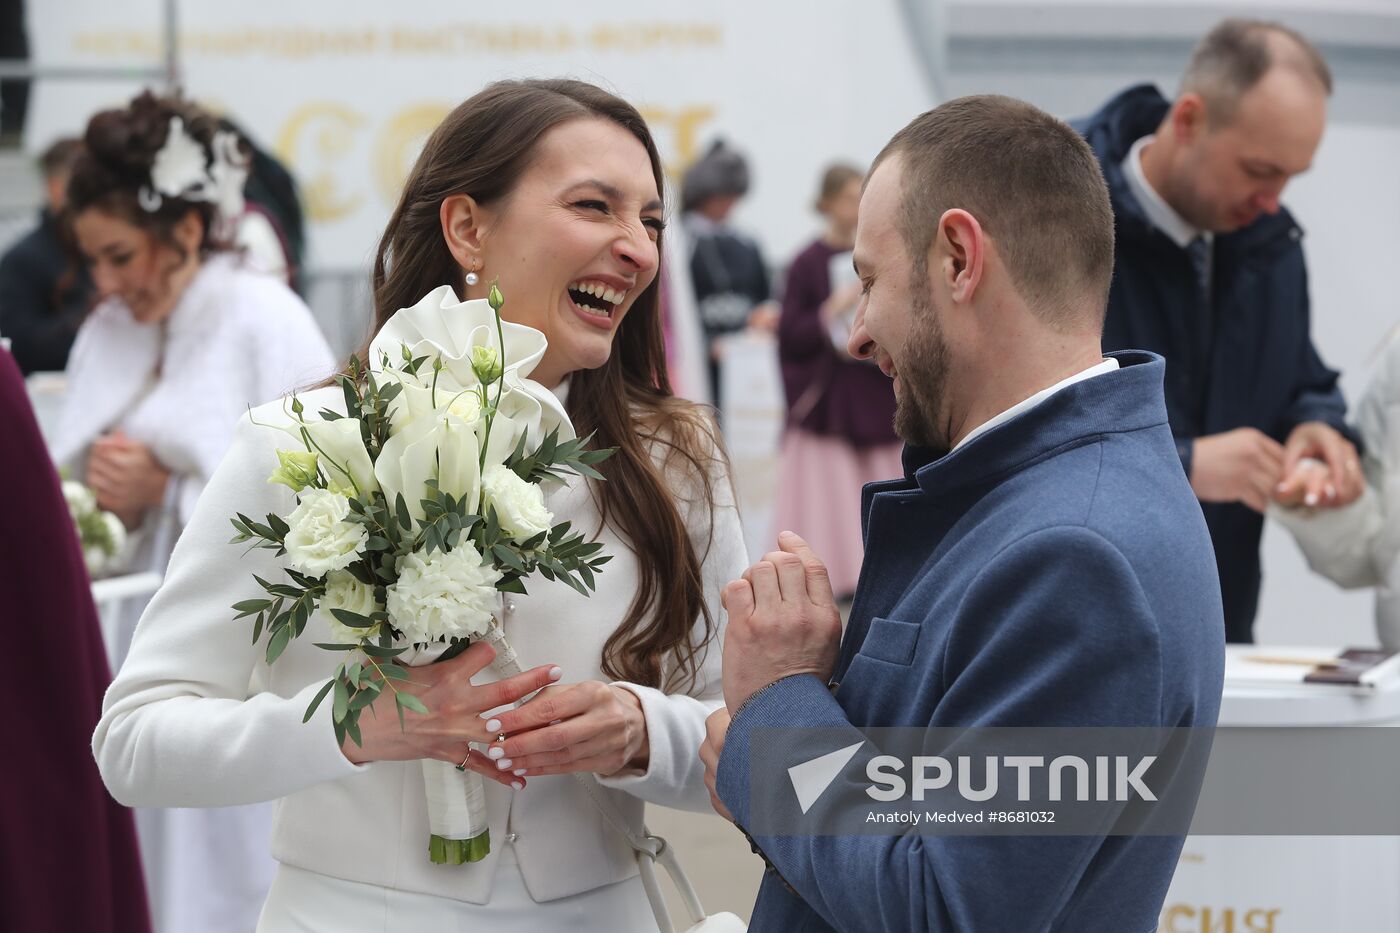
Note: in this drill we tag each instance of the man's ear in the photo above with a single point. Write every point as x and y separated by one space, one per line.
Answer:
958 254
462 221
1188 117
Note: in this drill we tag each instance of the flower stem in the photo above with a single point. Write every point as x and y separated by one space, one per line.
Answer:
459 851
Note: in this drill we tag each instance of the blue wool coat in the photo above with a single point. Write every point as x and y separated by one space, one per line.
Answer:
1054 571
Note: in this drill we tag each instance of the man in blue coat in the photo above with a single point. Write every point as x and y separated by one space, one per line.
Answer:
1043 562
1209 273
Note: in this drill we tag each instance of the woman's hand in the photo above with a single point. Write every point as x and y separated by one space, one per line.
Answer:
126 477
454 717
590 726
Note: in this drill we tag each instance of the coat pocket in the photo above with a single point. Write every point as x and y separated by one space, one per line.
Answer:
891 640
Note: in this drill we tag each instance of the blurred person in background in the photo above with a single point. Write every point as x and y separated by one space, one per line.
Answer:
186 338
840 422
68 850
271 230
1209 272
43 293
731 281
1357 545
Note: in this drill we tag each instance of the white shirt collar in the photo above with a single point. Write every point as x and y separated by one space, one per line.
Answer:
1159 213
1106 366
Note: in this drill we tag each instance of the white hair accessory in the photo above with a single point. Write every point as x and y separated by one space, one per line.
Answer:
181 170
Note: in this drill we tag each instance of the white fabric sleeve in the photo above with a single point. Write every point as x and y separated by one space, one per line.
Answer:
675 722
179 727
1338 543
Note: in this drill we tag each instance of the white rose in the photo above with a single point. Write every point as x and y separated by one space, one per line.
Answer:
116 533
519 505
345 592
320 540
444 596
79 498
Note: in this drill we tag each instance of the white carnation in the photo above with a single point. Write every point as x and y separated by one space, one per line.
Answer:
519 505
345 592
320 540
79 498
447 595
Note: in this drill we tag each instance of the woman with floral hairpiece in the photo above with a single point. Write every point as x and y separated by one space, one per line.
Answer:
184 340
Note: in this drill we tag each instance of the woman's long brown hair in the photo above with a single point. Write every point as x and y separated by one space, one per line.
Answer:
481 149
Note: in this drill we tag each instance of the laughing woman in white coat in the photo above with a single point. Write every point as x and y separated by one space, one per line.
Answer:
183 342
553 189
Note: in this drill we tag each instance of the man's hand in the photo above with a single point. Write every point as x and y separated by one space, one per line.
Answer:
716 727
1243 465
783 620
1320 469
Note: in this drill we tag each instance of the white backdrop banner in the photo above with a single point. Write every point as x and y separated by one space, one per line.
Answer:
346 92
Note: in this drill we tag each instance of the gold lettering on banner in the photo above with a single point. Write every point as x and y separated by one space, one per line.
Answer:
1217 920
684 124
399 144
1260 921
330 128
645 37
300 43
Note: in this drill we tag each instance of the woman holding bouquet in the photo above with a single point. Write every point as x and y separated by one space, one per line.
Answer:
551 190
183 341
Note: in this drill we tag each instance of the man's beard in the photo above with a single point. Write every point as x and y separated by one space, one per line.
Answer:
922 375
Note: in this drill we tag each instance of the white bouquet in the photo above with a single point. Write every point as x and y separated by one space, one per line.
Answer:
416 509
101 534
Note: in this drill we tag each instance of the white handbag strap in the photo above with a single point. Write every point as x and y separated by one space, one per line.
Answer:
650 849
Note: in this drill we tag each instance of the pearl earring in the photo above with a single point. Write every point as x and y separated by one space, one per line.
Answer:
472 278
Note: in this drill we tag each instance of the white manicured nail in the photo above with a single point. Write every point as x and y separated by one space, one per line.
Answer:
503 764
1311 499
518 785
496 751
520 772
555 673
493 725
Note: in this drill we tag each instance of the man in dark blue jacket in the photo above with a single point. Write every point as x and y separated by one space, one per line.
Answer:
44 294
1209 273
1043 563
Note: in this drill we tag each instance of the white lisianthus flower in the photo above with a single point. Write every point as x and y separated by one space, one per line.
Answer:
519 505
466 405
79 498
296 469
446 595
345 592
320 540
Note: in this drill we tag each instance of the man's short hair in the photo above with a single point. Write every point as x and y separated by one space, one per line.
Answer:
1033 184
60 156
1237 53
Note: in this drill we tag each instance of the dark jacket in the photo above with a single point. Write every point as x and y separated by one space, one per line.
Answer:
1255 366
827 391
44 296
1054 571
68 850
